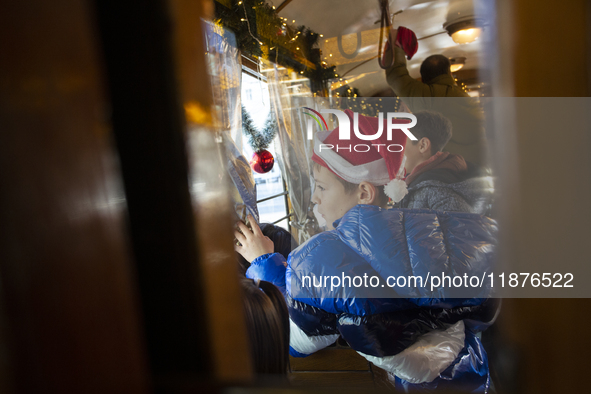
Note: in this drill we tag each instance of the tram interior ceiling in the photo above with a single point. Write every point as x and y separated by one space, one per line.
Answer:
131 148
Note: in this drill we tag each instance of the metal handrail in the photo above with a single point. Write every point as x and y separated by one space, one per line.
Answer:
283 218
271 197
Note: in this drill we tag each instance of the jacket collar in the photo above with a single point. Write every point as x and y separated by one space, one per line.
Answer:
442 160
354 212
443 79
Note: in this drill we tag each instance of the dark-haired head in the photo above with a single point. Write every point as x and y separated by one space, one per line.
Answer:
434 126
434 66
267 321
433 132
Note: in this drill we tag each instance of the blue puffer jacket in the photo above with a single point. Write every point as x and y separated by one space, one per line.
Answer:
424 335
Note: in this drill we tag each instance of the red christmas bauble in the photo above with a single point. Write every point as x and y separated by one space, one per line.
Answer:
262 161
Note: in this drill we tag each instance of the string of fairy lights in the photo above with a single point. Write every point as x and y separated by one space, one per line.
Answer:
261 32
477 88
349 92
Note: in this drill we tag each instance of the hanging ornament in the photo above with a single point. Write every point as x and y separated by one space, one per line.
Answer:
262 161
282 31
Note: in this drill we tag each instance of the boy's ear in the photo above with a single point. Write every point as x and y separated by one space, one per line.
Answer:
367 193
424 145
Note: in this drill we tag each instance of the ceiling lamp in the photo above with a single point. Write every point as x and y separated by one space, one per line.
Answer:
462 24
457 63
465 36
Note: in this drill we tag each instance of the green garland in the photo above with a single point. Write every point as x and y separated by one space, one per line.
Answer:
256 24
258 140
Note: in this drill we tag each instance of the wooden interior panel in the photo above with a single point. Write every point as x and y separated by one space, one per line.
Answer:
543 51
350 379
67 277
330 359
230 353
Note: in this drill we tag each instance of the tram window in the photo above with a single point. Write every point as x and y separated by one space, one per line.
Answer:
248 94
255 99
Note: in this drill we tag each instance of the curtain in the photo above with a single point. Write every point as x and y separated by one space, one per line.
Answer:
288 95
225 68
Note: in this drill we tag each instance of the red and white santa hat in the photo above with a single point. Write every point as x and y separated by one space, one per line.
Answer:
379 162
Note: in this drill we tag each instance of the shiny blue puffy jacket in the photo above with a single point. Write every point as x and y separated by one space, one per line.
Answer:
425 335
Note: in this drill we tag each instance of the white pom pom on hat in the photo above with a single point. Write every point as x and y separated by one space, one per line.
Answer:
378 166
396 189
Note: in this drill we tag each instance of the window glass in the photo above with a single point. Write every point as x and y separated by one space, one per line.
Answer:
255 99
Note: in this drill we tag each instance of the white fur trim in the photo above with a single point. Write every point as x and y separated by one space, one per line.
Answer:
375 172
302 343
424 360
396 189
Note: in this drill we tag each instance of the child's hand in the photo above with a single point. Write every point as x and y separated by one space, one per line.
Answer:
254 243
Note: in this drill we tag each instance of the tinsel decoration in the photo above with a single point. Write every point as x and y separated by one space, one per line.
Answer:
257 27
262 161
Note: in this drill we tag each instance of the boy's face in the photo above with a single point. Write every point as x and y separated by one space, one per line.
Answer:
416 152
413 157
333 202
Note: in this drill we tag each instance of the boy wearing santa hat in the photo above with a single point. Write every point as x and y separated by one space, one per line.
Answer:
441 180
423 336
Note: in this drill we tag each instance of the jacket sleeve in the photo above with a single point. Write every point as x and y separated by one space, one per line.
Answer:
387 334
429 356
311 328
443 199
313 325
270 267
400 80
469 372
